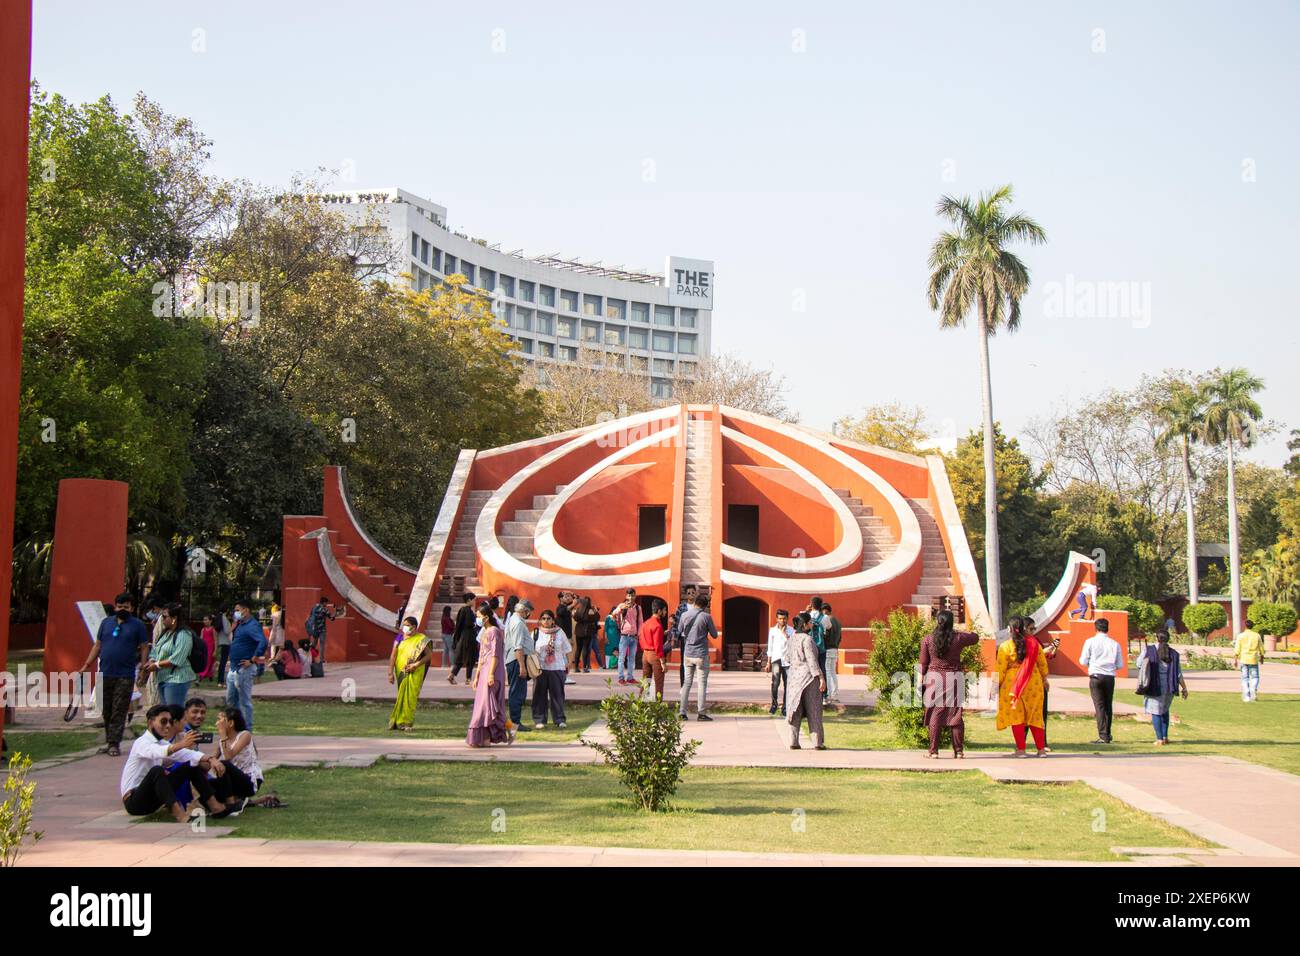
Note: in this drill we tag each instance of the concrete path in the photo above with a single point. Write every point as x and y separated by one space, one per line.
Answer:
1243 808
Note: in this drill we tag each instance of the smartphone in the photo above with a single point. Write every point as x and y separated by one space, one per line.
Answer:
205 738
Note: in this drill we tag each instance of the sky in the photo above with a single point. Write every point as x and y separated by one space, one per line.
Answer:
803 149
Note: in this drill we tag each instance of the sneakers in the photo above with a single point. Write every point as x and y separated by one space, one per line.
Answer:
539 726
569 680
703 717
771 710
562 725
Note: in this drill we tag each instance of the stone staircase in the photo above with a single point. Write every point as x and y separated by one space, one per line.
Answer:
460 572
936 575
697 544
877 543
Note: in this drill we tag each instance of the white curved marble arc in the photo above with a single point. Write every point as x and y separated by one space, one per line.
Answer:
361 529
904 557
847 553
493 553
367 608
551 551
1061 595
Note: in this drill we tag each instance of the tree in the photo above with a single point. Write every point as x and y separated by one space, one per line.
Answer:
894 425
727 379
970 268
1183 415
1027 544
1259 491
1230 417
597 387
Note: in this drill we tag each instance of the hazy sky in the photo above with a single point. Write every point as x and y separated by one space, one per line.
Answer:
802 147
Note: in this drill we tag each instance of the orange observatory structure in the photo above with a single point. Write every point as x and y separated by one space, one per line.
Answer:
759 513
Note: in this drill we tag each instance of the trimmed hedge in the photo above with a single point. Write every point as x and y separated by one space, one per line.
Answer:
1201 619
1278 620
1143 616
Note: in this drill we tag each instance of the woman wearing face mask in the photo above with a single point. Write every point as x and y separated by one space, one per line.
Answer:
489 724
169 659
407 665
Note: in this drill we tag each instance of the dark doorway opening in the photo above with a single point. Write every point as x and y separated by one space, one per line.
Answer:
742 527
744 632
652 526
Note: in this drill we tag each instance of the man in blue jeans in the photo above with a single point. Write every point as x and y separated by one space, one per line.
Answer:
247 649
518 645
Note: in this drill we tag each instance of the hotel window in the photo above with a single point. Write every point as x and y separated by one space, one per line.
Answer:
568 353
526 290
663 341
687 318
568 300
436 258
502 312
507 284
545 323
546 349
616 360
451 265
546 296
526 346
661 389
663 315
640 312
487 279
467 270
424 251
663 366
687 368
591 331
640 363
565 328
591 305
638 338
524 319
415 244
614 334
686 344
614 309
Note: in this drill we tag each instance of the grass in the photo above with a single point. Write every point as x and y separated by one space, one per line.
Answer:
44 744
1266 732
434 720
959 813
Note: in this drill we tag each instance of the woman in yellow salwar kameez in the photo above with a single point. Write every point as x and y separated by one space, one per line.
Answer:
1022 681
407 665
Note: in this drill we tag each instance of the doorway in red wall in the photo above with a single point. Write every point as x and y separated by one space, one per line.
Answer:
745 622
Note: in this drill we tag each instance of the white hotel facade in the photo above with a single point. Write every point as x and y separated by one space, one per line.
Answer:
658 326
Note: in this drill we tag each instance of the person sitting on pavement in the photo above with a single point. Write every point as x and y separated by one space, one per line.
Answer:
147 787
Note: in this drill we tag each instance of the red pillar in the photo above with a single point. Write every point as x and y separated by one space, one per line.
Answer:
15 93
89 564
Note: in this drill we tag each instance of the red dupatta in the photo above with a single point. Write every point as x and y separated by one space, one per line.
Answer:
1027 666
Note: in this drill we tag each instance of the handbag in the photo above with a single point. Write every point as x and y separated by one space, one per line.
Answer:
532 666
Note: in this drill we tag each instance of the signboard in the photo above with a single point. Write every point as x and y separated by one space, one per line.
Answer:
689 282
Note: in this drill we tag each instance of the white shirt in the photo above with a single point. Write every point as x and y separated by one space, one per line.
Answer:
1089 590
1101 655
148 752
777 639
554 650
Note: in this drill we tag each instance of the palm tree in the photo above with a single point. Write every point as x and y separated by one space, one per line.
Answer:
971 268
1183 415
1229 420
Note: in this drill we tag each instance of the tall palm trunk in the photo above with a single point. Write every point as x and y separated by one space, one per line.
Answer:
1193 582
1234 558
992 564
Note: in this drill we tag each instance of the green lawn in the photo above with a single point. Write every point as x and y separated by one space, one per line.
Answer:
1266 732
749 809
433 720
41 745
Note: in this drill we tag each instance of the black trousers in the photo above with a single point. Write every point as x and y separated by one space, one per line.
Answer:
780 679
1102 689
233 783
548 688
158 789
225 659
117 699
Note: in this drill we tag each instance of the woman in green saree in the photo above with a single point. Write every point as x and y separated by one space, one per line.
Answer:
407 665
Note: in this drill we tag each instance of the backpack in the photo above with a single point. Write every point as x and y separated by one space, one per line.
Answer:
816 633
314 621
198 655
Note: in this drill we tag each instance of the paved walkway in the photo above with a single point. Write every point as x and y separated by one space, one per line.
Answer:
1244 808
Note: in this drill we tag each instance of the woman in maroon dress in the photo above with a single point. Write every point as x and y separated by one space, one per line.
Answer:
943 682
488 724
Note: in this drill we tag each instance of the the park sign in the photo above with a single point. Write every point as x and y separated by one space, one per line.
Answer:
689 282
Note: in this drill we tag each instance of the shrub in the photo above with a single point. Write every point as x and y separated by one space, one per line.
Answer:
16 810
1201 619
1027 607
1143 616
648 751
1276 619
1193 661
894 666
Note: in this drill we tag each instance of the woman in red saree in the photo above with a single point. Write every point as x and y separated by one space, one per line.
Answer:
1022 682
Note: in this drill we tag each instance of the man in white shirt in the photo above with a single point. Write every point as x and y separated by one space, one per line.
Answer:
146 786
1087 599
1102 657
777 639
